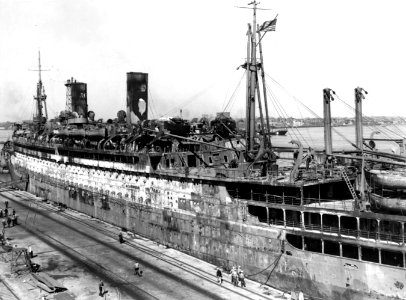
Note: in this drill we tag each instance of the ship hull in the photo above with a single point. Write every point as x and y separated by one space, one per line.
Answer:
201 219
279 132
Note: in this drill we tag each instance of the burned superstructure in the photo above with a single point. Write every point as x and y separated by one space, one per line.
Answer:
137 97
76 97
220 195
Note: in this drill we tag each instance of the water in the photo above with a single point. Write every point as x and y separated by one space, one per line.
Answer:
314 137
5 135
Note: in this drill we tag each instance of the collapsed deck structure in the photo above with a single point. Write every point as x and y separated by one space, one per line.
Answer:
215 194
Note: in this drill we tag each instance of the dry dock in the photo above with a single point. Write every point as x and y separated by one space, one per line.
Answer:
79 251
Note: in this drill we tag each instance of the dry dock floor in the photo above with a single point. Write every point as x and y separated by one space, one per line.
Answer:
79 251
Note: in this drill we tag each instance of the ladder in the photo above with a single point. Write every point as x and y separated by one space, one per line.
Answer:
348 182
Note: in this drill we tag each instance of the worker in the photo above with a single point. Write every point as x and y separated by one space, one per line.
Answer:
219 276
8 221
120 237
234 276
30 252
101 284
137 269
241 278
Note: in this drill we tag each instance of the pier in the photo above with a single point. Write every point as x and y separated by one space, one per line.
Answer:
78 251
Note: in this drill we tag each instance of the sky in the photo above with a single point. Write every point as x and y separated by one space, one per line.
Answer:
192 49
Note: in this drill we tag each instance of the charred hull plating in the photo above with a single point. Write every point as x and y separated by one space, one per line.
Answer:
198 215
217 193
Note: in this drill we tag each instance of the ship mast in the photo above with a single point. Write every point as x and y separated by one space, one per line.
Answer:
40 97
252 80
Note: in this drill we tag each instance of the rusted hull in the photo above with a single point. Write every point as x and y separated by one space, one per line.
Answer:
201 219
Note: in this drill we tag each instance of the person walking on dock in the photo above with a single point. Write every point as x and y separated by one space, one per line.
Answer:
6 212
30 252
3 221
13 220
6 204
101 284
137 269
120 237
234 276
8 221
241 278
219 276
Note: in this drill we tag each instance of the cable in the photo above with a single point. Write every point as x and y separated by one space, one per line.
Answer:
231 101
274 262
312 112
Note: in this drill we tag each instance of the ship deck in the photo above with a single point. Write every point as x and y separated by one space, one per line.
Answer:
343 205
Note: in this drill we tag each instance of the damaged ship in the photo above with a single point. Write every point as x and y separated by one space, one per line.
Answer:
214 193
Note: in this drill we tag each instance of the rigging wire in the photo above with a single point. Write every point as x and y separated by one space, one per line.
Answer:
312 112
284 114
231 101
295 131
386 131
307 128
153 110
186 102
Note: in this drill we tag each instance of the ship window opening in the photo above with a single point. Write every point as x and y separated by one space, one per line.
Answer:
225 159
390 231
392 258
210 160
330 222
368 228
350 251
258 211
313 245
276 216
370 254
332 248
168 161
348 225
295 240
312 221
293 218
191 161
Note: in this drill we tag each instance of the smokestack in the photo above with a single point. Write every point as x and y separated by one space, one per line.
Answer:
76 97
137 97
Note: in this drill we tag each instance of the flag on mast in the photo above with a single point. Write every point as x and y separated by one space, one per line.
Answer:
268 26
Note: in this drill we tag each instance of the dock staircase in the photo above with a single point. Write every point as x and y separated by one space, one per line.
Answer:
348 182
